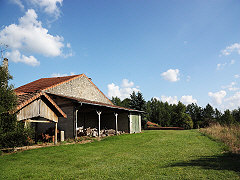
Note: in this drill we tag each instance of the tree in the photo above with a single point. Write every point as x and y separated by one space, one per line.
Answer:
11 133
236 114
137 101
227 118
116 101
208 115
196 113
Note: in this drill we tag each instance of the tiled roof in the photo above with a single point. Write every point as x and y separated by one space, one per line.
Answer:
85 101
44 83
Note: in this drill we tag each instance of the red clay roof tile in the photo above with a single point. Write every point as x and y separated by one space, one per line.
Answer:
43 83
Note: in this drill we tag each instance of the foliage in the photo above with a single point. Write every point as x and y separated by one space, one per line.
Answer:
149 155
180 115
12 133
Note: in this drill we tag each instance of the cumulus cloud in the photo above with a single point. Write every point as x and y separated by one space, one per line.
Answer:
171 75
231 87
169 99
217 97
123 91
188 100
230 49
60 74
233 102
30 37
16 56
49 6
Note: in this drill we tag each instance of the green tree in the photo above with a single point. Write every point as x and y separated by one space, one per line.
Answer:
208 116
227 118
236 114
116 101
137 101
126 103
196 113
11 133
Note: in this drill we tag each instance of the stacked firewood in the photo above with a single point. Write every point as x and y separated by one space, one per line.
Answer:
93 132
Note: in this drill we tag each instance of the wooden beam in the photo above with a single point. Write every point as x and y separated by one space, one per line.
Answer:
37 121
116 117
76 118
55 138
99 120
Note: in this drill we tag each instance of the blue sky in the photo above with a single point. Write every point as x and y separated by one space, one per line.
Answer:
171 50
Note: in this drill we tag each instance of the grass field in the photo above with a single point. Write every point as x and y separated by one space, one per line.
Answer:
149 155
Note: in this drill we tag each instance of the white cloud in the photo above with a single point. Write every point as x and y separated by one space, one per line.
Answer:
169 99
68 45
217 97
237 76
231 87
221 66
127 87
127 84
16 56
233 102
49 6
60 75
171 75
232 48
19 3
188 100
30 37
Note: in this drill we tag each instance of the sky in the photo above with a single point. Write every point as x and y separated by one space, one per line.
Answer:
172 50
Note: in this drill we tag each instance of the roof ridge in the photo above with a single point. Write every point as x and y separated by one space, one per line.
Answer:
75 77
72 77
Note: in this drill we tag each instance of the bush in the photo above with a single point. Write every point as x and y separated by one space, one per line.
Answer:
20 136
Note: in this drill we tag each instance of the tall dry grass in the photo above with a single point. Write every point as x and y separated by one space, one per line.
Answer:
228 134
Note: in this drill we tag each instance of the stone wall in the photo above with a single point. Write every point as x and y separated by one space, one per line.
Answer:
80 87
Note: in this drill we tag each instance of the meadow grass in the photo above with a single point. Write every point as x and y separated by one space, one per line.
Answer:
228 134
165 154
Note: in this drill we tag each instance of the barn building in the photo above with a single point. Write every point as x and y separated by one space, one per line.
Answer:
72 102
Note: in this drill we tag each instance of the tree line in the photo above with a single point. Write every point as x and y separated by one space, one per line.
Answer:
177 115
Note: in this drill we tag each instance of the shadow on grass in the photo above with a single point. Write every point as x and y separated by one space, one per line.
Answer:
225 161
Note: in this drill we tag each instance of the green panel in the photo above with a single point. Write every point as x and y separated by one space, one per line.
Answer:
135 123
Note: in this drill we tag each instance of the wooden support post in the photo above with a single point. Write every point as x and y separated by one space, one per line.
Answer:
99 121
55 138
116 117
76 124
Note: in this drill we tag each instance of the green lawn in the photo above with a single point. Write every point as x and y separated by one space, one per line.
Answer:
149 155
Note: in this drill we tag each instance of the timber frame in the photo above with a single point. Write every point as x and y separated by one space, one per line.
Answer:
38 108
